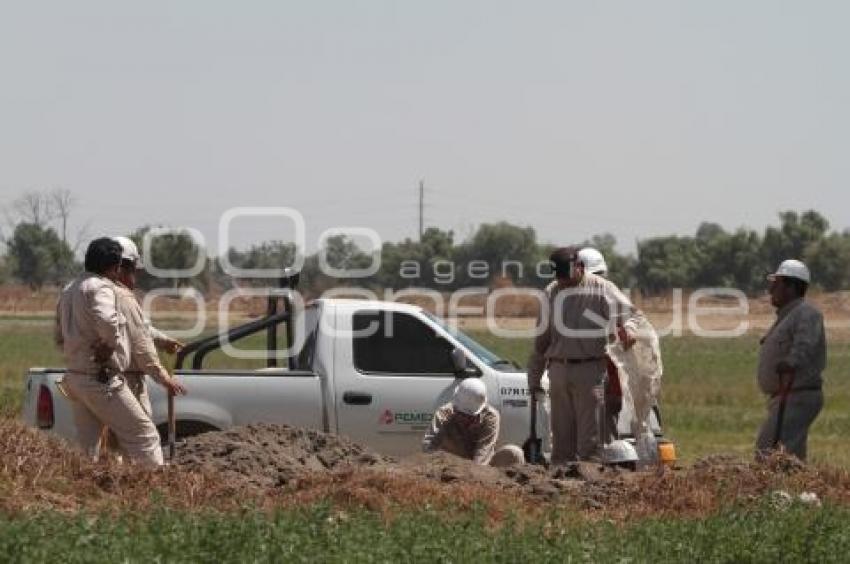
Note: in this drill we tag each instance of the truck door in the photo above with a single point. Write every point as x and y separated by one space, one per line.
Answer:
397 371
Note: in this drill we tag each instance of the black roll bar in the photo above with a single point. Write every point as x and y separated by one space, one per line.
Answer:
269 323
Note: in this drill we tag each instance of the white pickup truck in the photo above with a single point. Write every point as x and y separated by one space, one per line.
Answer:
373 371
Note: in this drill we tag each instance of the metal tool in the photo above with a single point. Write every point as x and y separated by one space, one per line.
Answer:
172 426
532 448
785 391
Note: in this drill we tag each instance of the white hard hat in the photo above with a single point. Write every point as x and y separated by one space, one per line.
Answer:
129 250
619 452
593 261
792 268
470 396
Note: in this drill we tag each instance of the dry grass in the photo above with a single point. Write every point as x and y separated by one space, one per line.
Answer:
511 311
721 481
37 472
386 493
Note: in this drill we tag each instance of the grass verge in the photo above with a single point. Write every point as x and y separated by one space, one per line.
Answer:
768 533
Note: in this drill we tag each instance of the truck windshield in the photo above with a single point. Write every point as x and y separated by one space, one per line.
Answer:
483 353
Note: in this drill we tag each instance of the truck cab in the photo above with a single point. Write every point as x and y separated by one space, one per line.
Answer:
394 366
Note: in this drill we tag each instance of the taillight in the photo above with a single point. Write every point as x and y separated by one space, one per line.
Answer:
45 408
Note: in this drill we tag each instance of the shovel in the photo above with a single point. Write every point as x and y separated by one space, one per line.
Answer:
780 414
532 448
172 426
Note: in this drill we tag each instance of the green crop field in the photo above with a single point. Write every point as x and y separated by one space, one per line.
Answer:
319 534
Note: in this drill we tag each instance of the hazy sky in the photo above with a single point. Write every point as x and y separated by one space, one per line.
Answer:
637 118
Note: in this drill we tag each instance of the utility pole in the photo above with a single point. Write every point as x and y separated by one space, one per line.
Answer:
421 209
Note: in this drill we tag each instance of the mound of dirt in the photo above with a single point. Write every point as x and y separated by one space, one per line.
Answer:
280 457
268 455
273 466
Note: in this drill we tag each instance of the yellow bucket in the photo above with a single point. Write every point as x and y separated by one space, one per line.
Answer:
667 453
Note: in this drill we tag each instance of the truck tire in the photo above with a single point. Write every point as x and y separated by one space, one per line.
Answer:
187 428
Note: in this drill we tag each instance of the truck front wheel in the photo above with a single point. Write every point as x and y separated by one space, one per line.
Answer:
185 429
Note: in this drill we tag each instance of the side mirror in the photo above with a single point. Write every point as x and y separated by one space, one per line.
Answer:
459 361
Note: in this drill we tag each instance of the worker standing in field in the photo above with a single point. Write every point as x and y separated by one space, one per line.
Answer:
96 346
791 363
582 311
144 338
468 427
594 263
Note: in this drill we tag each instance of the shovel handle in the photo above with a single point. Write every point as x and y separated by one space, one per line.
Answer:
533 404
172 426
784 391
531 447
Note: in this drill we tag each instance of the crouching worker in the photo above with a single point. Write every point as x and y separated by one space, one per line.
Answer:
468 427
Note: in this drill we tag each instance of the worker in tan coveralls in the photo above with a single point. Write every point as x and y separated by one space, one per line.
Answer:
145 340
791 363
594 262
468 427
581 312
96 345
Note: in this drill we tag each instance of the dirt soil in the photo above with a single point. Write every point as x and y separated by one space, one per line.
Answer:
272 455
297 461
275 456
271 466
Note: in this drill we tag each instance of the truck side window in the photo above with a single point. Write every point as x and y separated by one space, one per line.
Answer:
399 344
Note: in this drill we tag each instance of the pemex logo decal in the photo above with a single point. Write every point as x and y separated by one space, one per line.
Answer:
416 418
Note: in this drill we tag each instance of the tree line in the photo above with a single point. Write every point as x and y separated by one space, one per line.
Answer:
38 249
38 252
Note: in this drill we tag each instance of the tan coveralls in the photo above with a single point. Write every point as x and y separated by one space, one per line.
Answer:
143 350
578 321
87 315
798 338
475 442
